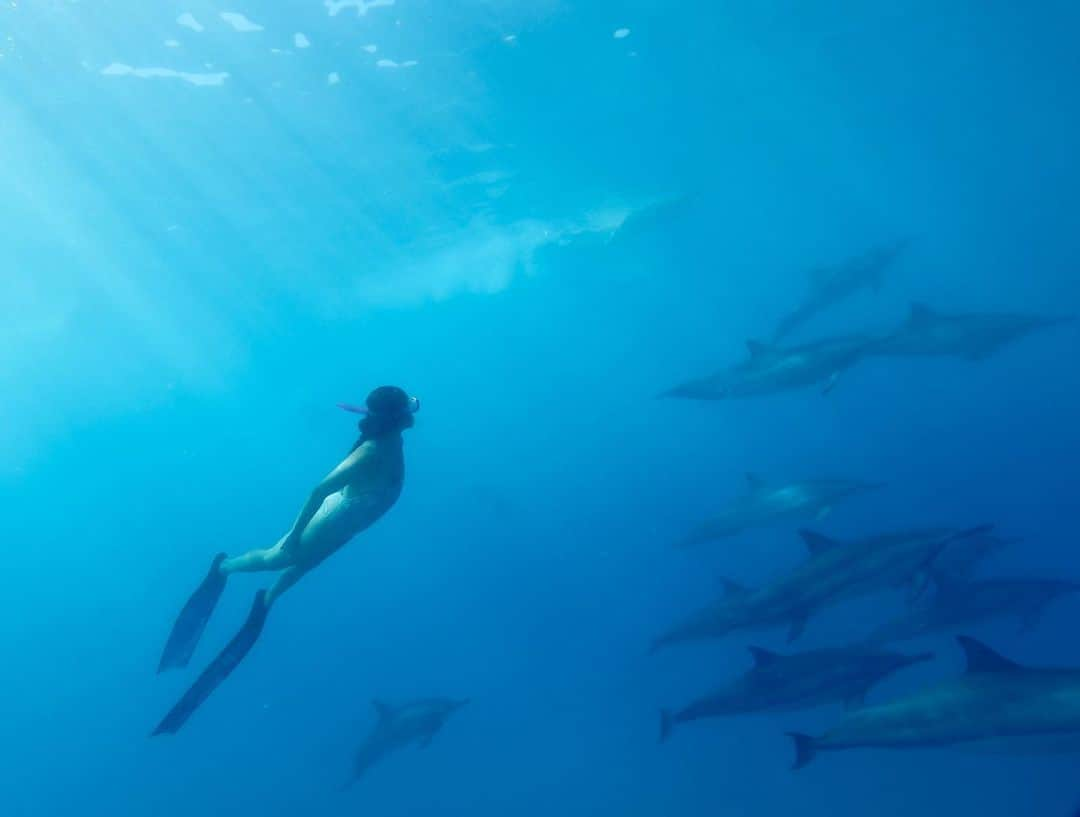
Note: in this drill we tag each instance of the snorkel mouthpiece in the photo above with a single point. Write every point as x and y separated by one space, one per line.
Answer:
349 407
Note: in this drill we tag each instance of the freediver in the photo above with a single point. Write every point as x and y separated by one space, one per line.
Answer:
363 487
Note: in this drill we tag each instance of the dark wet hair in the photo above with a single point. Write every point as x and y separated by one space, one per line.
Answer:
389 411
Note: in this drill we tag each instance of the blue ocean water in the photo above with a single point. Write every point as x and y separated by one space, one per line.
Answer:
536 215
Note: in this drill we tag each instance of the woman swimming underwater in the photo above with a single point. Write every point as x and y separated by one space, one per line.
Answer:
363 487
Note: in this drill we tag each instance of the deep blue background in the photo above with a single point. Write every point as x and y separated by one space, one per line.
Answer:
193 276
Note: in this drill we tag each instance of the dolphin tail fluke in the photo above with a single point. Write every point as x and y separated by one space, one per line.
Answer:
220 669
190 624
805 750
667 723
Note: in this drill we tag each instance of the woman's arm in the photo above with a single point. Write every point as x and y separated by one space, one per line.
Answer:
331 483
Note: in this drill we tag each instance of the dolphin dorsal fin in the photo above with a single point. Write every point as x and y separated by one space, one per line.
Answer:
382 709
981 658
757 347
920 313
732 587
818 543
762 657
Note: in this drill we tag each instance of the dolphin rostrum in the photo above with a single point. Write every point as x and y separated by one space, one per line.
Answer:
835 572
770 369
974 336
762 504
399 726
782 683
831 285
995 705
958 605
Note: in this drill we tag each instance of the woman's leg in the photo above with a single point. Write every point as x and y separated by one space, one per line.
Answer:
287 579
258 560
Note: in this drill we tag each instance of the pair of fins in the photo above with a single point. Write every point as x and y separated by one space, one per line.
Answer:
185 636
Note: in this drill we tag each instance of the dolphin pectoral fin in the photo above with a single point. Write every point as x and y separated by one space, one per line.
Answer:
218 670
805 750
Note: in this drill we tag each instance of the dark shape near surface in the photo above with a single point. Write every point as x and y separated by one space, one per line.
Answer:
191 623
996 705
780 683
218 670
397 727
831 285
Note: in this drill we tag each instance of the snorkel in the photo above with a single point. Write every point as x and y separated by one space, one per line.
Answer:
352 408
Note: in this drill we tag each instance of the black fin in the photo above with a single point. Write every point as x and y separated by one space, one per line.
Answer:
763 657
220 668
191 623
805 750
667 723
981 658
816 543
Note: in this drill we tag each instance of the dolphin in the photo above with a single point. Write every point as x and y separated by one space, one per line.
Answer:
831 285
783 683
762 504
974 336
836 571
995 705
958 605
770 369
399 726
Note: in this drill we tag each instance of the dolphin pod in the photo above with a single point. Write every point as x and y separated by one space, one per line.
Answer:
996 703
